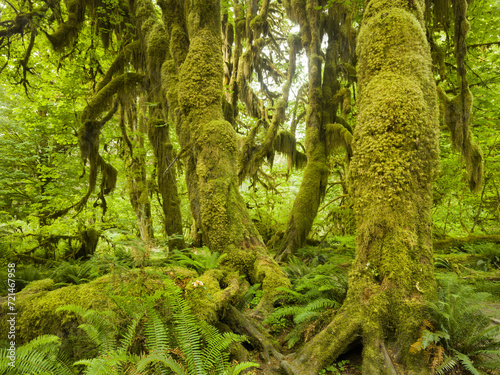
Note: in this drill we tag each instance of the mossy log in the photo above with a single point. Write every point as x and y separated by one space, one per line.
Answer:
443 245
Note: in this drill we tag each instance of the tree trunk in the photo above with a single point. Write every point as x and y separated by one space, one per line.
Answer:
314 180
158 133
217 206
154 43
211 159
133 147
392 171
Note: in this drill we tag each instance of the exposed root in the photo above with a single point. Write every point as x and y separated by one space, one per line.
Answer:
269 273
326 346
243 325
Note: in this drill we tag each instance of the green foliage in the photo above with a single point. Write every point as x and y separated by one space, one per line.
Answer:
489 253
40 356
198 259
464 335
252 296
73 273
336 368
318 290
162 336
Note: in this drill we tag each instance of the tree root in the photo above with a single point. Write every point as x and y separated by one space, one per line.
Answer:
350 324
269 273
243 325
326 346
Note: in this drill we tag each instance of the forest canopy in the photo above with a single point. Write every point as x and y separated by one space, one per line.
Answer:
320 168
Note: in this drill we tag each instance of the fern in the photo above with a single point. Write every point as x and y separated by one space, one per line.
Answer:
128 337
465 331
199 348
467 363
447 365
187 333
104 365
200 262
99 328
38 356
237 369
163 359
156 332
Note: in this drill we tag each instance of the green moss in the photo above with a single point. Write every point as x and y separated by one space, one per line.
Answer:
69 30
38 286
394 164
36 312
180 273
256 22
200 78
102 99
240 260
267 272
203 298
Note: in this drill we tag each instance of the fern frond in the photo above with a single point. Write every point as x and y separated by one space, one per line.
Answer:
215 351
321 303
37 357
100 331
163 359
236 370
295 335
187 332
108 364
305 316
467 363
447 365
156 332
297 295
128 337
283 312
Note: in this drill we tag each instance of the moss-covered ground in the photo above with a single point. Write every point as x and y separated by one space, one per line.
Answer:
318 286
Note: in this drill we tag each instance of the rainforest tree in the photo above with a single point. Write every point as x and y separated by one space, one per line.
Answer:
199 75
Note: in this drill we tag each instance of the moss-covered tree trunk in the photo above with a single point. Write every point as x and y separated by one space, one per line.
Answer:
159 137
137 185
392 171
210 141
154 44
323 96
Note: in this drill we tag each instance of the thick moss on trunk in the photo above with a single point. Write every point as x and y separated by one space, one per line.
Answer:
392 171
212 181
211 167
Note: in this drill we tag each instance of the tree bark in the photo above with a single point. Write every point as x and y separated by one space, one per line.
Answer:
393 167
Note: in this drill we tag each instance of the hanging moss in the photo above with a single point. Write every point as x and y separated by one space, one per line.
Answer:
89 239
256 22
104 97
456 119
339 136
88 134
68 31
456 111
285 143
